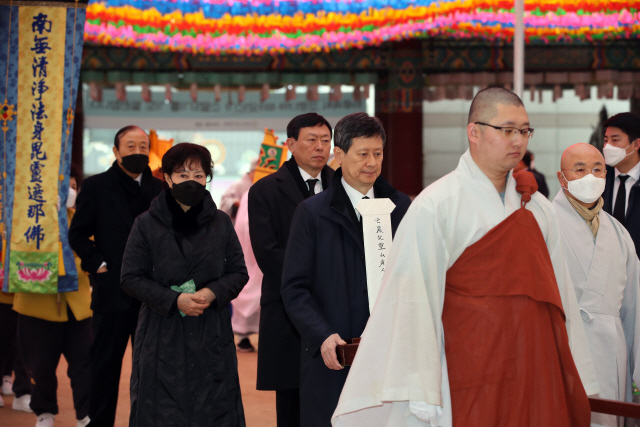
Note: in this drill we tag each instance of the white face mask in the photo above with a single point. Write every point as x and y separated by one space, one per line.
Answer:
587 189
614 155
71 200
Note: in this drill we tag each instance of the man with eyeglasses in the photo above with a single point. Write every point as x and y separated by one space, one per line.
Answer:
473 320
605 273
622 155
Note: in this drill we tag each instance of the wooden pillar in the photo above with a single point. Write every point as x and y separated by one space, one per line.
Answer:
402 165
634 106
399 107
77 155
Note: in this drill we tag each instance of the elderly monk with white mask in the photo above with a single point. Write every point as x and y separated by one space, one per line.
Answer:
476 322
604 270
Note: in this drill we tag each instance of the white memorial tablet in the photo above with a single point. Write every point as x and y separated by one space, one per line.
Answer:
377 233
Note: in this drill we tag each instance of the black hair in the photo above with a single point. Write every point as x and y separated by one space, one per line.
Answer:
628 123
188 154
121 132
358 125
76 172
527 158
308 120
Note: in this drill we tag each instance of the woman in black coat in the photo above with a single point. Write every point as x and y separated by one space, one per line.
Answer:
185 371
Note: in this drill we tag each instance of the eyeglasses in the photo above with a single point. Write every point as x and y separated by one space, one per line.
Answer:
597 172
511 132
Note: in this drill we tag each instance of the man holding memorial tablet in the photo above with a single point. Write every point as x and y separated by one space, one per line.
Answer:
335 258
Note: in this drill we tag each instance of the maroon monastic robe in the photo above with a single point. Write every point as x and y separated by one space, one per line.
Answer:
507 348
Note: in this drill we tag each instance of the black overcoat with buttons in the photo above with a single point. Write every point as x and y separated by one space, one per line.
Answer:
272 203
184 370
324 287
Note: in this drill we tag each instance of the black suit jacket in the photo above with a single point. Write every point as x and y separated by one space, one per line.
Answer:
272 203
102 212
632 219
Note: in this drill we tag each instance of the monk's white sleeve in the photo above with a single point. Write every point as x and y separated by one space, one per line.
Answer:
629 310
426 413
400 356
575 330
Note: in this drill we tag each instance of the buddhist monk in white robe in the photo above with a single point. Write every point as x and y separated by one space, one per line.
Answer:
604 270
510 291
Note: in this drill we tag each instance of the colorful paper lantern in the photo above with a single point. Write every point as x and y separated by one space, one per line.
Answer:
255 27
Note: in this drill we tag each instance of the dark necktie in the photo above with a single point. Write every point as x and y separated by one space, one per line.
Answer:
312 186
365 197
619 210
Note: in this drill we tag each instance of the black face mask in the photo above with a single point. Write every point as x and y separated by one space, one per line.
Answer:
189 193
135 163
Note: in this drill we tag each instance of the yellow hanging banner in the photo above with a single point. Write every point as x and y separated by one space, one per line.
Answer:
35 230
272 155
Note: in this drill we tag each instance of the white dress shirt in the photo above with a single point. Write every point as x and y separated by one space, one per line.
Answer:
634 175
305 176
355 196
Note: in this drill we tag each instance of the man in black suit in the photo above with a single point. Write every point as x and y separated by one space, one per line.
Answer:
622 156
105 211
324 280
272 202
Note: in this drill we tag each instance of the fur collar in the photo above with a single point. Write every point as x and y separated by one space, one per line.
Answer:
181 221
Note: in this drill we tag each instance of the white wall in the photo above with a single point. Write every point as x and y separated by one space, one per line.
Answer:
557 125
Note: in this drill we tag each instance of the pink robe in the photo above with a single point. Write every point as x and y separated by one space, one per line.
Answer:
246 307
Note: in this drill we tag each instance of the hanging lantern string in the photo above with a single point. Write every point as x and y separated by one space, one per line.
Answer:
234 28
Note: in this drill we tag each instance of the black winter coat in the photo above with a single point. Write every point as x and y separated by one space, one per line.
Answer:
100 229
272 203
324 287
185 370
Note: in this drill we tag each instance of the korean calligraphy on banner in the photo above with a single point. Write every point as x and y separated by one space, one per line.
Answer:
41 28
43 47
377 233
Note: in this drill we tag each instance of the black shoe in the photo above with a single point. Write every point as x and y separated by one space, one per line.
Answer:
244 346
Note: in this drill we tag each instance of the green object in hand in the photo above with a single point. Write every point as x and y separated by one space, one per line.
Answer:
186 288
636 392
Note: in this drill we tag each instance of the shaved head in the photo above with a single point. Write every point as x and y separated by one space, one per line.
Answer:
484 104
579 155
577 162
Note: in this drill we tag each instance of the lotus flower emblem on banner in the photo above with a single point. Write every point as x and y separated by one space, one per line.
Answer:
27 274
